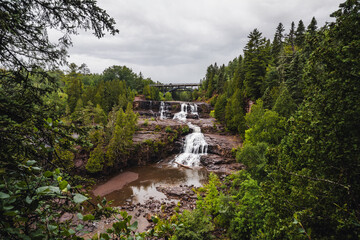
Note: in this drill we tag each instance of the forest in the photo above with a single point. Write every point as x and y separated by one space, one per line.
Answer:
293 99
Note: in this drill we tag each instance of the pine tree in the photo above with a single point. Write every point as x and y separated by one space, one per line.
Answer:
278 41
291 37
300 34
311 29
234 113
284 105
317 164
97 159
220 108
257 56
123 131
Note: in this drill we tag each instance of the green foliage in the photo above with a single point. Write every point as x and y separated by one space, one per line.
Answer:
121 139
157 128
264 126
29 203
256 59
234 113
253 156
168 96
64 158
122 229
97 159
194 225
319 157
251 208
168 129
185 130
284 105
220 108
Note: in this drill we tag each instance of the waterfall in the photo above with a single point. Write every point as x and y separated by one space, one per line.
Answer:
162 111
181 116
195 144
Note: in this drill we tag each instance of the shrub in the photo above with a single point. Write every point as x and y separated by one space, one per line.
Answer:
168 129
194 225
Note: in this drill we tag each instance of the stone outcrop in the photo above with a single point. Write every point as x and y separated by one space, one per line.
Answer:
150 108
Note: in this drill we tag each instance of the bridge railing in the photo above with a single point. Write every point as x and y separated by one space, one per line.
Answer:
178 86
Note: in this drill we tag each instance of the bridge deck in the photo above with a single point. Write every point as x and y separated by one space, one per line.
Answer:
176 85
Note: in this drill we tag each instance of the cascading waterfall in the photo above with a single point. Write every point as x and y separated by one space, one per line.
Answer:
181 116
162 111
195 145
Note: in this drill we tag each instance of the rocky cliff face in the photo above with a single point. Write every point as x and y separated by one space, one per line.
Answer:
150 108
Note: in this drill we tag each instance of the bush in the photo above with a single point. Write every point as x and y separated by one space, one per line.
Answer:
194 225
185 130
96 161
168 129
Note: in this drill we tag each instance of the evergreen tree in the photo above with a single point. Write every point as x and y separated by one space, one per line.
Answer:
255 63
294 77
317 165
234 113
291 37
122 134
311 29
284 105
278 41
220 108
97 159
300 34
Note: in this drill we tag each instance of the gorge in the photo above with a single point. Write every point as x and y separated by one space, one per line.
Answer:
159 186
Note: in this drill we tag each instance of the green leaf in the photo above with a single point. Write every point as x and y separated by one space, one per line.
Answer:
7 208
28 200
154 219
48 174
89 217
79 198
52 227
134 226
50 189
104 236
119 226
4 195
80 227
30 162
80 216
63 184
72 231
12 213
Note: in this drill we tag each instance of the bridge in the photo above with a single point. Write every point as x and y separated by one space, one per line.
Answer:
176 87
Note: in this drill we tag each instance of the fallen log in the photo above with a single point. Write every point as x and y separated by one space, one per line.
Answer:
182 165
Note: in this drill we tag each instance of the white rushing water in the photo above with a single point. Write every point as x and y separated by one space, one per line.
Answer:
195 144
181 116
162 111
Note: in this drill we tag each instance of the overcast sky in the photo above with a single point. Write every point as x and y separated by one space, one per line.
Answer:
175 40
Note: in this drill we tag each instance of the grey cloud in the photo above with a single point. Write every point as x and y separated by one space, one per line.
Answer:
172 41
